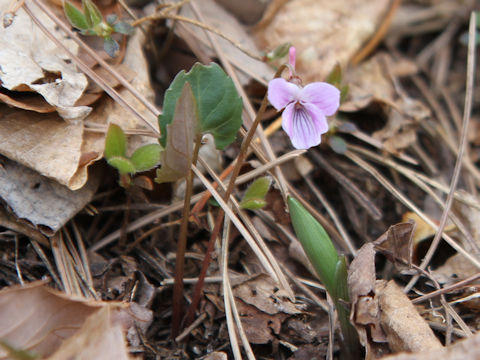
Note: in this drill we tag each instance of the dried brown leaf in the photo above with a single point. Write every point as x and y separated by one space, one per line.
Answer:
263 293
39 319
324 32
365 314
33 63
406 330
462 350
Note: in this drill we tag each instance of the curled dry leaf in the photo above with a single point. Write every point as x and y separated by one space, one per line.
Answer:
39 319
324 32
31 62
406 330
365 315
63 151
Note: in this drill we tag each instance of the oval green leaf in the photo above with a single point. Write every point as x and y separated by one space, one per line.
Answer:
75 16
92 13
219 107
146 157
254 197
316 243
115 142
122 164
110 46
123 28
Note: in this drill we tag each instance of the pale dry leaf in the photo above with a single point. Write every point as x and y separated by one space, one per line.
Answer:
467 349
263 293
63 151
39 319
247 11
222 20
324 32
43 142
99 338
42 202
406 330
29 61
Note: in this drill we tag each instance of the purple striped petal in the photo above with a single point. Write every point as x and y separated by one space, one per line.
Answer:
325 96
281 93
304 125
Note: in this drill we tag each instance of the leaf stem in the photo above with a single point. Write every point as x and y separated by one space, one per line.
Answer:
181 247
219 219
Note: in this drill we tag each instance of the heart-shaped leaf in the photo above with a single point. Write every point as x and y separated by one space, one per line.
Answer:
177 156
75 16
219 107
115 142
110 46
146 157
123 28
254 197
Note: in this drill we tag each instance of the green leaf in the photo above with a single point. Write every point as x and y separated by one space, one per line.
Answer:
122 164
335 76
316 243
279 52
338 144
342 300
110 46
254 197
92 13
75 16
146 157
123 28
219 107
115 142
177 157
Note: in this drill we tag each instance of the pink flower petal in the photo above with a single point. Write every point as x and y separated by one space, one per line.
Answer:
304 125
281 93
325 96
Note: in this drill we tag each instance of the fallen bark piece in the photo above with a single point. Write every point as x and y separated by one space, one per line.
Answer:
406 330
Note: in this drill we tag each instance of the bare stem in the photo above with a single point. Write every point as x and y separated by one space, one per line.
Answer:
181 247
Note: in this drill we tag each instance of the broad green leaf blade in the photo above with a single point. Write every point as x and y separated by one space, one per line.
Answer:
123 28
335 76
254 197
219 107
177 156
122 164
110 46
75 16
146 157
17 354
92 13
115 142
316 243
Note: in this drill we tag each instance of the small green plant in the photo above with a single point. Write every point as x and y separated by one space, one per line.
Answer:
144 158
90 21
330 267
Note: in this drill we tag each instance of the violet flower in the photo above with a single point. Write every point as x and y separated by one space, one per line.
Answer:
306 108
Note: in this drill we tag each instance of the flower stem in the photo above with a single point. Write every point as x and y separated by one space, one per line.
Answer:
219 219
181 247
